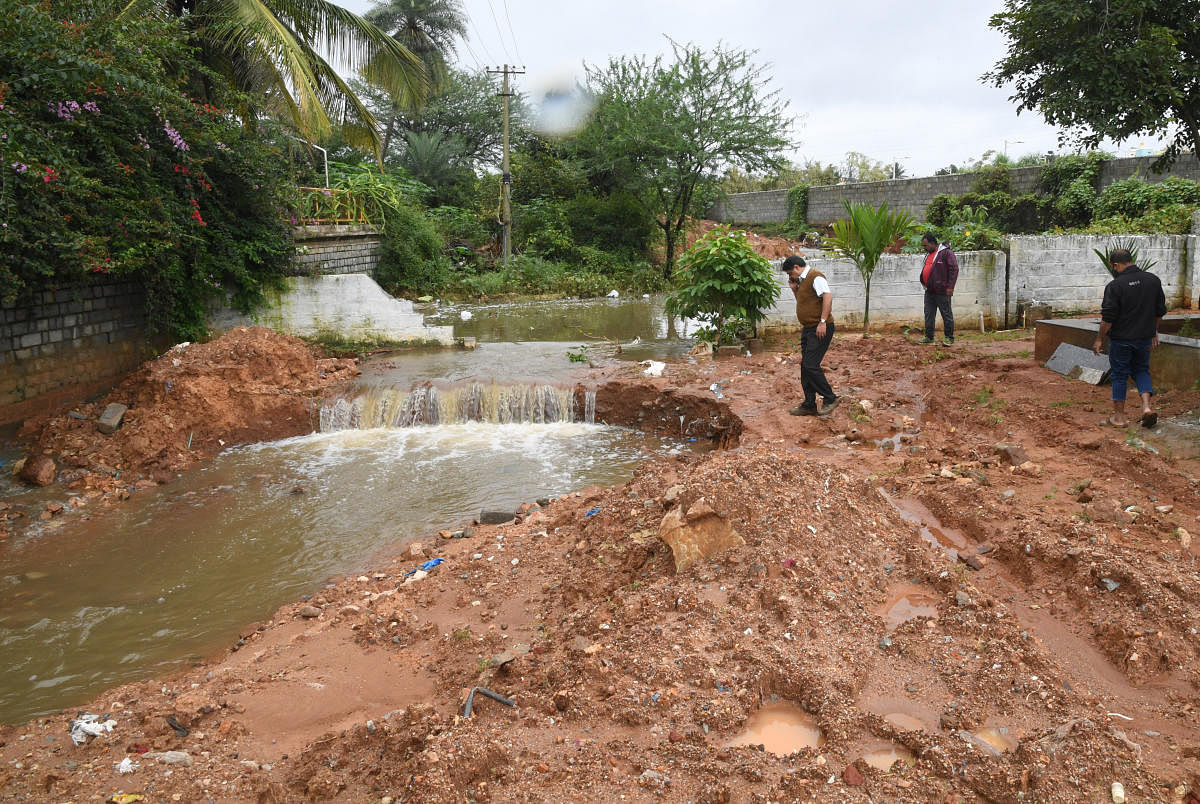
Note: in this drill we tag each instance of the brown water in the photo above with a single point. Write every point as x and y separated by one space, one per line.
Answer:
172 574
780 729
907 602
884 758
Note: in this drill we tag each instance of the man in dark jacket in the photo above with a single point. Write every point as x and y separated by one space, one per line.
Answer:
1133 306
938 276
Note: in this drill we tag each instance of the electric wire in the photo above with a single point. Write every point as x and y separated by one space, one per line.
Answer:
516 49
496 21
482 45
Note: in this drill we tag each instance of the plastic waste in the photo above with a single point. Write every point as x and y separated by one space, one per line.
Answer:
421 572
654 368
126 765
592 512
465 315
86 727
612 294
126 798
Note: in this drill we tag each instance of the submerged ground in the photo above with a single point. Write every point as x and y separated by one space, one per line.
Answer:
1009 624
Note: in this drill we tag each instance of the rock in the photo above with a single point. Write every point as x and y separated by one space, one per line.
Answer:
39 470
854 435
1012 454
946 473
515 652
853 776
696 534
1110 584
349 611
171 758
1185 538
1164 509
309 612
675 737
1008 494
1118 793
962 598
413 551
973 561
1087 441
562 700
110 420
885 643
672 495
496 517
1085 496
1030 469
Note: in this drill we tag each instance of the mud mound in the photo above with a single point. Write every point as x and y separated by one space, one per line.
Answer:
188 404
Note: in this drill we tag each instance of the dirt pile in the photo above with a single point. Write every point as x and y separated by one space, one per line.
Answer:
187 405
1009 623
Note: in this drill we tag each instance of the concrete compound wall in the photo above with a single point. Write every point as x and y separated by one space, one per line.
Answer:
914 195
73 338
1060 272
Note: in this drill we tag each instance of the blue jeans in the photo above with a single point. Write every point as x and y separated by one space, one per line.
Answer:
1127 358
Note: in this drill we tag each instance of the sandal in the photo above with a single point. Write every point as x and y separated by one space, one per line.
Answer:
1110 423
1149 419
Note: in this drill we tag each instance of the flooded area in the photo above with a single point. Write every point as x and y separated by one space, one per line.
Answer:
780 729
90 601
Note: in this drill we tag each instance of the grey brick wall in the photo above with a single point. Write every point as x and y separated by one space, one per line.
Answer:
914 195
74 336
325 250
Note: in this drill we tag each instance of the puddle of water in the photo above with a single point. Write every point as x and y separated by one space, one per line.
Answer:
904 722
895 442
997 738
948 540
1177 436
170 574
884 758
780 729
907 602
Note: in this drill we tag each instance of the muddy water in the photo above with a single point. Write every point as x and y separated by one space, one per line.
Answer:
780 729
907 602
173 574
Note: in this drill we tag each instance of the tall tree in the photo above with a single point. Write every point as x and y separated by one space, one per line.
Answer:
277 51
427 28
1106 68
666 131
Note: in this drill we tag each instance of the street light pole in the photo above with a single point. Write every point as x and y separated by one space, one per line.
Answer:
1014 142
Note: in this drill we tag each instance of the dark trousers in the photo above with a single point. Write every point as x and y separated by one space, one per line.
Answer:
935 302
812 352
1129 359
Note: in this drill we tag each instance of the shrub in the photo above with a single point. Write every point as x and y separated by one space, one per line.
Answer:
1075 205
993 179
615 223
1128 197
412 258
720 279
797 210
110 166
1174 190
939 209
540 228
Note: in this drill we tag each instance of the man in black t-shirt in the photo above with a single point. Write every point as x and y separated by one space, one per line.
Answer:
1132 308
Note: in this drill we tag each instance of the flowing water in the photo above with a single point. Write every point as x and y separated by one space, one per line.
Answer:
424 441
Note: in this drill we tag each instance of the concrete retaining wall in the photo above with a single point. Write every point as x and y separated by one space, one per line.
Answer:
1062 273
914 195
73 339
897 296
330 250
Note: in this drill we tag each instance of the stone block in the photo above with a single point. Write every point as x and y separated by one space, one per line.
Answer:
110 420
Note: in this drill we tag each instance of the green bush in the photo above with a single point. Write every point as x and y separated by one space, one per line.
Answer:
721 279
540 228
1075 205
111 165
615 223
1127 197
411 261
1057 176
1172 219
993 179
939 210
1174 190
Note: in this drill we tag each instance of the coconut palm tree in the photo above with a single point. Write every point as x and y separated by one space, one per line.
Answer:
428 29
862 237
280 51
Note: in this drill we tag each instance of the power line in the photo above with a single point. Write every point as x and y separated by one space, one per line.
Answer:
499 33
508 19
481 42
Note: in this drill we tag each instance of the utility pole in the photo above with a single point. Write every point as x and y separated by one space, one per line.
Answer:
505 174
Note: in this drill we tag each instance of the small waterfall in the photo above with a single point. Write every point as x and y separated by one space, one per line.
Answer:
476 402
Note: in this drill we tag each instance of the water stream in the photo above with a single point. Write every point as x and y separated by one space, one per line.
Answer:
424 441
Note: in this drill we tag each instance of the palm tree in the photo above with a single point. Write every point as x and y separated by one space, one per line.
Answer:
428 29
863 235
279 51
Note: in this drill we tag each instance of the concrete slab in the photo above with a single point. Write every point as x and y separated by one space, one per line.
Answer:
1067 357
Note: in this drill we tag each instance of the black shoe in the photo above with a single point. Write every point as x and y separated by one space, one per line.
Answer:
829 406
948 342
925 341
804 410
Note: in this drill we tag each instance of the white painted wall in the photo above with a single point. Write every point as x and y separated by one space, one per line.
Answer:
352 306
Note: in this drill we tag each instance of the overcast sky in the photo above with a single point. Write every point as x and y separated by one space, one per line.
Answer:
889 79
